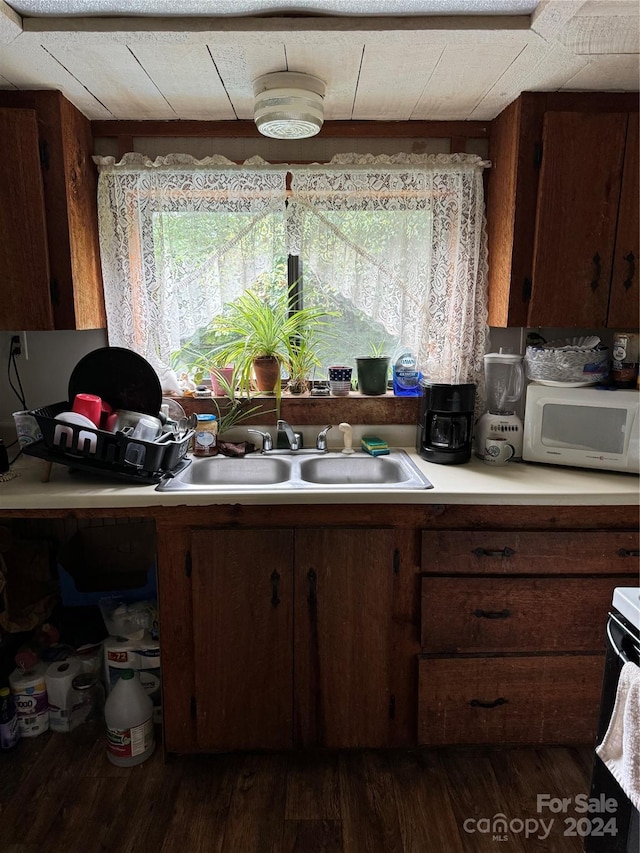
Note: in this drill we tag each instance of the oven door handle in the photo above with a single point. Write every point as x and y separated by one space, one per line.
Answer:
621 654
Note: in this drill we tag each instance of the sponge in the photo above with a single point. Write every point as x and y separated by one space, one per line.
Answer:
373 445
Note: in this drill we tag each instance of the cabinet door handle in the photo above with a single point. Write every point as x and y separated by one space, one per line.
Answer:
492 614
631 261
275 588
476 703
597 271
487 552
312 596
626 552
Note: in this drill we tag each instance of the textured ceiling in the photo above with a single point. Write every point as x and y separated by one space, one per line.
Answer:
376 67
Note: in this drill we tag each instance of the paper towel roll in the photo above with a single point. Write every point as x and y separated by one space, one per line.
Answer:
58 679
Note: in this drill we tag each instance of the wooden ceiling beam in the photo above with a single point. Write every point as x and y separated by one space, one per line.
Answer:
330 129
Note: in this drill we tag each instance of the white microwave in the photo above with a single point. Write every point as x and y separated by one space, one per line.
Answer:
584 427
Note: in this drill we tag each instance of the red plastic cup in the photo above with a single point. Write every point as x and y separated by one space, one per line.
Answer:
88 405
105 412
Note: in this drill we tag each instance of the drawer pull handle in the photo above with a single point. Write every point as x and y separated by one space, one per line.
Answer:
626 552
492 614
487 552
597 271
631 261
476 703
275 588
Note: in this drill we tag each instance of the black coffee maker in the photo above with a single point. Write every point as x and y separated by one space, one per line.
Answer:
445 422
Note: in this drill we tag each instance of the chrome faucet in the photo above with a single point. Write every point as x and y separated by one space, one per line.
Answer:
292 438
321 440
267 441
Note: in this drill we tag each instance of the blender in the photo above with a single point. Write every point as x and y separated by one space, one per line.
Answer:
504 381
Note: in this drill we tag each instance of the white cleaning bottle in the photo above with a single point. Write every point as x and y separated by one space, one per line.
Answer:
128 713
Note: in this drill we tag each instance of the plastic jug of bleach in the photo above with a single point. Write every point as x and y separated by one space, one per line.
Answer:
128 713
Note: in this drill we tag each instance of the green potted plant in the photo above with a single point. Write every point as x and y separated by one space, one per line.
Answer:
235 409
302 358
263 336
373 371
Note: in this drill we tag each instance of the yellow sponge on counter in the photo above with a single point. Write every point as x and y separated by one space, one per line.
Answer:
373 445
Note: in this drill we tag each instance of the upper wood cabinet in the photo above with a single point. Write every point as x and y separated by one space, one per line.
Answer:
49 258
562 212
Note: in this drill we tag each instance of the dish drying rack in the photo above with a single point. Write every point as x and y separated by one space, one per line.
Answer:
99 452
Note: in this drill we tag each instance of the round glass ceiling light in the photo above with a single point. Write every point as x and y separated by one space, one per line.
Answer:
288 105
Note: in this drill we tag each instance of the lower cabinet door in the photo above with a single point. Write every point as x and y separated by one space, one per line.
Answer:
551 699
343 637
242 589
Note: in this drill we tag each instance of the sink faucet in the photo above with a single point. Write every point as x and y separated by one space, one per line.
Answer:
321 440
292 438
267 441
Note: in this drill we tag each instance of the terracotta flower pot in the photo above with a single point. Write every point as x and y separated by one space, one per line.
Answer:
216 372
266 370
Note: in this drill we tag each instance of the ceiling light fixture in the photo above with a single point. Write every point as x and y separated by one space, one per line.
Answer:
288 105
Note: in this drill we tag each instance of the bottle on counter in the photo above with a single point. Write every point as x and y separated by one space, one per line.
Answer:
128 713
624 364
9 731
205 440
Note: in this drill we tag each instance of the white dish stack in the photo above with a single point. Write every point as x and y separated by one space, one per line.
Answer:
572 362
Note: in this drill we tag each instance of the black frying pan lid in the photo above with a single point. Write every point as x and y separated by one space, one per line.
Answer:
121 377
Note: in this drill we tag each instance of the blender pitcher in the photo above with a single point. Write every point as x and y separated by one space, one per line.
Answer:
504 378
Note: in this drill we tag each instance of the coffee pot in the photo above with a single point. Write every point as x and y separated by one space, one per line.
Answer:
445 422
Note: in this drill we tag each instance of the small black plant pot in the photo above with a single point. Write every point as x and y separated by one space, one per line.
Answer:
372 375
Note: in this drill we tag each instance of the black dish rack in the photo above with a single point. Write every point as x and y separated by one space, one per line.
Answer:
101 452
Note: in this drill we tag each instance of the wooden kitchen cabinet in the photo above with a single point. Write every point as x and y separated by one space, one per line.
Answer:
242 588
344 594
512 632
49 258
296 639
562 212
391 625
624 303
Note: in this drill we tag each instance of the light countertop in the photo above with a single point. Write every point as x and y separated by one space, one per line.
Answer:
471 483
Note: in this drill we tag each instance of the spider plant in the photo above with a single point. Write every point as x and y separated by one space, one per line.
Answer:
259 329
236 409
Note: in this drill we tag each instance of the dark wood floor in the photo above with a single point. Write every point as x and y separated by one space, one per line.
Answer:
59 793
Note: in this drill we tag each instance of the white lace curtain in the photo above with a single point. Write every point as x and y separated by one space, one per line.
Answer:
168 264
403 238
419 269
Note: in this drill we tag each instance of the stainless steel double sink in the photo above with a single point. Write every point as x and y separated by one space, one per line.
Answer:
326 471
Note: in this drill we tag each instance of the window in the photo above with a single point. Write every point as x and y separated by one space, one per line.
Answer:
395 244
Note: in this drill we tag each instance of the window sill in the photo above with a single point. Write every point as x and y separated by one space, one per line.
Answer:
302 409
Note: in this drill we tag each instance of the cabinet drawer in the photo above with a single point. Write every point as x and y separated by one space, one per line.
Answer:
515 614
547 699
512 552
